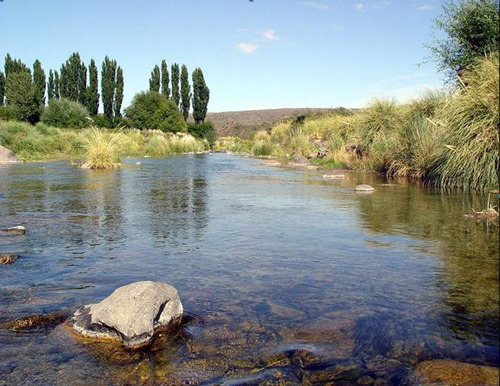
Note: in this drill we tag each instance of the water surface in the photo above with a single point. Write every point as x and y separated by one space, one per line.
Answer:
284 277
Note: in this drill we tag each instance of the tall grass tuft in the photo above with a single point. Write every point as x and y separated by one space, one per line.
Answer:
101 149
469 157
262 145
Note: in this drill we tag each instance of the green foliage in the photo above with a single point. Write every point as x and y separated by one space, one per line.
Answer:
21 97
93 90
50 86
2 88
262 145
39 84
7 113
108 86
165 79
176 96
470 155
73 79
154 81
185 92
203 131
57 85
14 65
119 92
65 113
153 111
472 31
201 96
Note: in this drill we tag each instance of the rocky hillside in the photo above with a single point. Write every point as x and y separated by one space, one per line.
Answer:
245 123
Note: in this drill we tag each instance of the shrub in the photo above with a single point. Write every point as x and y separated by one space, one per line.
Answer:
203 131
154 111
65 113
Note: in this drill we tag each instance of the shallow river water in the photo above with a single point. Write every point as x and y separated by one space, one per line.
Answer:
285 278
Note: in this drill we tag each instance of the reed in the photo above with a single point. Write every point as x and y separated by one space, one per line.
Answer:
101 149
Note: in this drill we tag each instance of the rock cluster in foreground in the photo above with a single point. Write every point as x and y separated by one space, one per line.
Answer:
131 313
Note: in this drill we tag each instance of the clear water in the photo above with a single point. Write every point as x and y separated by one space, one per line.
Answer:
285 277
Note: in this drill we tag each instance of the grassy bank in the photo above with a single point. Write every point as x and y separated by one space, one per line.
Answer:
93 145
447 140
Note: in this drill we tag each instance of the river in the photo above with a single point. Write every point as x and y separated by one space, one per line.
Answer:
284 277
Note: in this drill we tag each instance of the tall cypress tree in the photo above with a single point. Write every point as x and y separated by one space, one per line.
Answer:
2 87
165 79
57 85
108 85
13 66
175 84
39 84
185 92
154 81
119 92
93 89
201 96
50 86
82 84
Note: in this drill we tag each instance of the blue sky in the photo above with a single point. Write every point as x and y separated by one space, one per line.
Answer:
254 55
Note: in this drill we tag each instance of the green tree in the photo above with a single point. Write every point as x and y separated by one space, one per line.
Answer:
108 86
21 97
57 85
119 92
154 81
201 96
165 79
39 85
65 113
2 87
93 89
472 31
185 92
73 80
50 86
176 96
154 111
13 65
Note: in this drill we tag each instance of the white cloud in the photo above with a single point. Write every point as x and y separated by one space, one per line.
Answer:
371 5
316 5
247 48
269 34
426 7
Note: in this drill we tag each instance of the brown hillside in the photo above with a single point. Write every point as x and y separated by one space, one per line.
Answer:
245 123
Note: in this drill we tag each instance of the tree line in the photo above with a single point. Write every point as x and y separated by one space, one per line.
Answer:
24 91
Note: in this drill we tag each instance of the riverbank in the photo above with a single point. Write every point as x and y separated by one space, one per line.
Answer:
446 140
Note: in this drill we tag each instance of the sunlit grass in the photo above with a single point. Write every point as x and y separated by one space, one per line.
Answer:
101 149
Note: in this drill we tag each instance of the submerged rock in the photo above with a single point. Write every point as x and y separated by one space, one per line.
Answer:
450 372
8 258
333 175
18 230
36 321
364 188
130 313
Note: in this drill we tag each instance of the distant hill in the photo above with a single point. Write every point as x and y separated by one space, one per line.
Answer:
245 123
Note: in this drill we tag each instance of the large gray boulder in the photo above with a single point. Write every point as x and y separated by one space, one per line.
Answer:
7 156
130 313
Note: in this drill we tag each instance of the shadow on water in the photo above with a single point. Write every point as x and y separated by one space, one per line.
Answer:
286 278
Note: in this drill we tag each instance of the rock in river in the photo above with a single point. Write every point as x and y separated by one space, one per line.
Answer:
8 258
7 156
130 313
364 188
18 230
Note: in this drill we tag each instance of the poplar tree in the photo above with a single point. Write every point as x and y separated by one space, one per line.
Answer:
50 86
185 92
201 96
93 89
154 81
73 79
20 95
2 87
57 85
119 92
175 84
165 79
39 84
108 86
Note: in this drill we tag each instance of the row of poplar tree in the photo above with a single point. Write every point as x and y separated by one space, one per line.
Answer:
180 90
24 91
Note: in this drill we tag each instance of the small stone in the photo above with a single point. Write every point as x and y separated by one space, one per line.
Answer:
130 313
8 258
364 188
334 175
19 230
450 372
271 162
